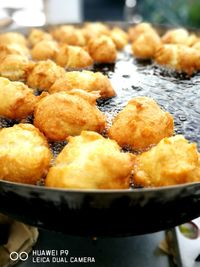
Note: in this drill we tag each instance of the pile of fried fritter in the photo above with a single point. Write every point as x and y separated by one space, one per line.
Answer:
47 74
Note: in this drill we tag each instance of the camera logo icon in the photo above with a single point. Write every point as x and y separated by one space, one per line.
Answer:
15 256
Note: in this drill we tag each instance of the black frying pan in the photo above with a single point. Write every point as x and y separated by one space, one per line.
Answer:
120 212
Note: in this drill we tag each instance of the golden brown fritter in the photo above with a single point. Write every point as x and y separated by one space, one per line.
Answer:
135 31
13 49
17 100
95 29
15 67
46 49
62 114
68 34
176 36
44 74
86 80
102 49
13 38
119 37
172 161
73 57
24 154
37 35
179 57
141 124
90 161
145 45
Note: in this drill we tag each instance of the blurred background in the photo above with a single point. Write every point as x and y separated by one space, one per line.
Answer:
39 12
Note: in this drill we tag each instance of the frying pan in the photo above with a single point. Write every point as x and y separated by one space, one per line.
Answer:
119 212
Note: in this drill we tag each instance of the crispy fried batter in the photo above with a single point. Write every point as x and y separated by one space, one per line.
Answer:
141 124
86 80
45 49
176 36
68 34
24 154
73 57
13 38
13 49
119 37
62 114
145 45
172 161
17 100
95 29
102 49
90 161
44 74
15 67
36 35
179 57
141 28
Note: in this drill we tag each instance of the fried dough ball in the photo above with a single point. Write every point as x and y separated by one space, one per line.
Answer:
102 49
90 161
62 114
86 80
172 161
69 35
44 74
46 49
119 37
141 28
15 67
176 36
145 45
141 124
24 154
17 100
95 29
73 57
13 49
179 57
36 36
13 38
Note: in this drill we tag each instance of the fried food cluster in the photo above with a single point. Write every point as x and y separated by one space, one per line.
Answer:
44 61
13 49
63 114
141 124
135 31
73 57
24 154
119 37
46 49
15 67
17 100
90 161
93 30
173 161
44 74
37 35
13 38
102 49
179 57
145 40
146 45
86 80
68 34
